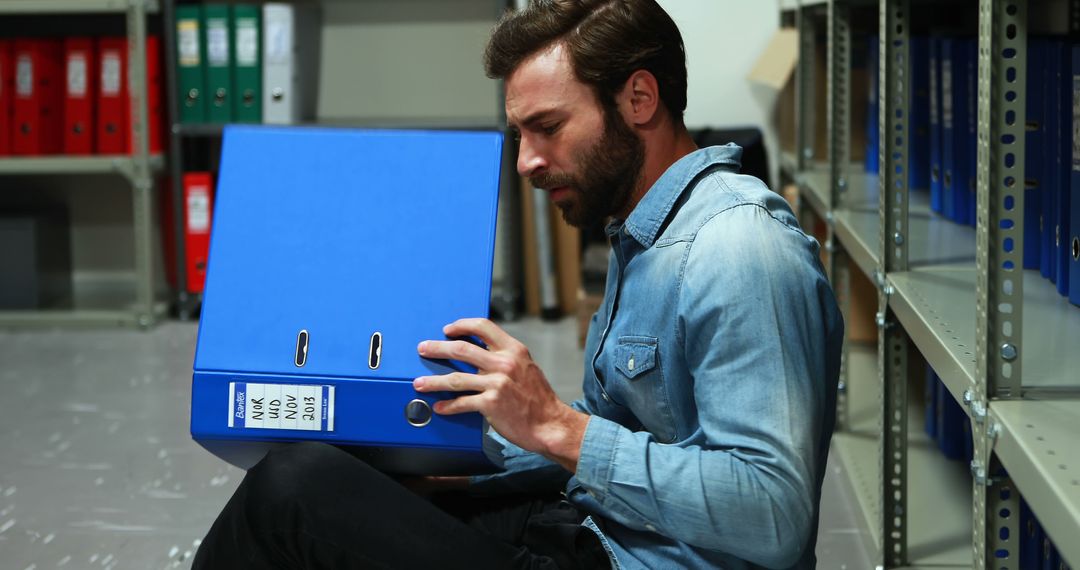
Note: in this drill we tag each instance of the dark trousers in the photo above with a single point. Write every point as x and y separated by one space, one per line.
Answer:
311 505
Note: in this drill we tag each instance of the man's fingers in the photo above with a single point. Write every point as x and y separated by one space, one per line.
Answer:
459 405
453 382
457 350
485 330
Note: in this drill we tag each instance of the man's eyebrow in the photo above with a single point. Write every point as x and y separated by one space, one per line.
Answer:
532 118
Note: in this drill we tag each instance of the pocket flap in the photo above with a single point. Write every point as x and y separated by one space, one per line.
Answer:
635 355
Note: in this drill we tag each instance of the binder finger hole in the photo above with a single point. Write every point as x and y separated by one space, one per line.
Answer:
375 351
301 348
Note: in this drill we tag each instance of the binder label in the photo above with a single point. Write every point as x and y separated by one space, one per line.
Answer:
217 42
247 42
76 75
24 76
278 40
188 39
198 210
1076 124
110 73
934 113
304 407
946 94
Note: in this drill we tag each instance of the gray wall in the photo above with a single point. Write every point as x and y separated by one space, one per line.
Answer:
407 62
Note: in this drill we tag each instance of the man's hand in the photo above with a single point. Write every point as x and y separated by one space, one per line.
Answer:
511 391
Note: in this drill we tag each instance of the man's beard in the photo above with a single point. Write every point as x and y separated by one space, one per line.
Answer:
607 175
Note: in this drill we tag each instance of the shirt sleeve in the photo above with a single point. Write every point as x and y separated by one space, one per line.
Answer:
761 335
523 471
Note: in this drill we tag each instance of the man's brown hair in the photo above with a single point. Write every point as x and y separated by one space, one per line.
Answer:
607 41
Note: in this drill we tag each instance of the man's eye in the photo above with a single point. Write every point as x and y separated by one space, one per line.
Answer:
516 135
550 129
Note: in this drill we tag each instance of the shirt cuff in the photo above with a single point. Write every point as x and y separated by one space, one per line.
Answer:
598 455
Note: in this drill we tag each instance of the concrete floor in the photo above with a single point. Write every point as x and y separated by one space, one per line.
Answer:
98 470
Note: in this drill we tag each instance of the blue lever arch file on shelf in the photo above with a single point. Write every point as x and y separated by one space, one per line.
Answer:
1036 174
1073 251
334 253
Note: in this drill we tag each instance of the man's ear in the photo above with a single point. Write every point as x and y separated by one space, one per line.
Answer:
639 99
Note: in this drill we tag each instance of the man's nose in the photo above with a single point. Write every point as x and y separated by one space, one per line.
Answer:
529 162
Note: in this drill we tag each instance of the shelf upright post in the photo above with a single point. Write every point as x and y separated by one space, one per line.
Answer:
894 106
140 176
176 161
804 89
839 117
999 270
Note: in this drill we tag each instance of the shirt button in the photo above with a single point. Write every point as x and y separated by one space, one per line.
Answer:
606 398
630 365
650 528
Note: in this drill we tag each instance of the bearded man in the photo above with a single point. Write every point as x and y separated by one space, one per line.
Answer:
711 367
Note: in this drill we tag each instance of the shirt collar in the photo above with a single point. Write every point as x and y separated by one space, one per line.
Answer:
648 216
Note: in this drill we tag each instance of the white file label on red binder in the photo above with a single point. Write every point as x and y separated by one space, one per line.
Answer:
308 407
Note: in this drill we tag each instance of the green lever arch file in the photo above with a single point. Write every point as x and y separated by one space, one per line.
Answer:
191 80
218 62
247 63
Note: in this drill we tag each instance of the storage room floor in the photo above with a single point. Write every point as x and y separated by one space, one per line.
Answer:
98 470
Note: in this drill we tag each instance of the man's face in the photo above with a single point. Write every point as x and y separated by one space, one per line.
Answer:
586 158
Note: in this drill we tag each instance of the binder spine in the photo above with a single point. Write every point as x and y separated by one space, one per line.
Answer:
948 126
1074 201
247 71
935 126
218 68
1063 138
190 60
345 411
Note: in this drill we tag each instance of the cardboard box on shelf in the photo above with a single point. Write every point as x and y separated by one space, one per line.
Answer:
775 73
861 324
567 247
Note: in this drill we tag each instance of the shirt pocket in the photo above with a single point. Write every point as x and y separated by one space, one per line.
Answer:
635 355
641 386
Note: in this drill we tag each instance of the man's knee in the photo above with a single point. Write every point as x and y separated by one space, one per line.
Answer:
290 472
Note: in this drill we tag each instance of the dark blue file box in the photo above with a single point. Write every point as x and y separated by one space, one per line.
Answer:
1063 137
935 125
1047 223
1035 161
930 393
334 252
969 140
954 128
1051 559
873 110
950 424
1073 251
919 126
1031 538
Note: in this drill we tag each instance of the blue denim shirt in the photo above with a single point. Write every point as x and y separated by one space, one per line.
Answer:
710 378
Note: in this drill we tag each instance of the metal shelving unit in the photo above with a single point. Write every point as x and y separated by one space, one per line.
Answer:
941 528
504 298
74 6
138 169
1002 340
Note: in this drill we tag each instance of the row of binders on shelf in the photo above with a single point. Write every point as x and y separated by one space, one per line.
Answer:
198 206
246 63
72 96
949 426
1037 551
946 422
943 135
